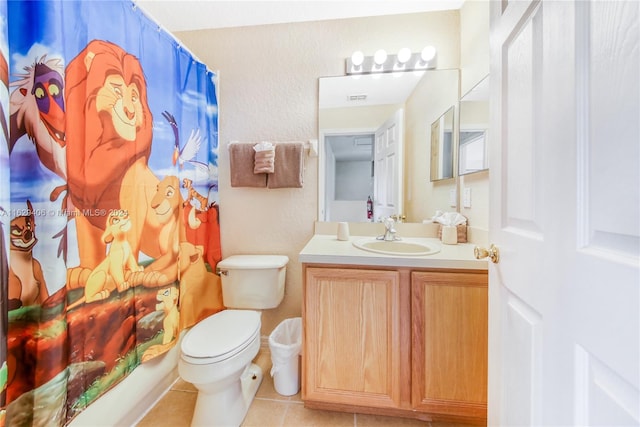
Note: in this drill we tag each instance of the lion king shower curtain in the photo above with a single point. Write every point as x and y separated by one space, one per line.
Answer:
108 201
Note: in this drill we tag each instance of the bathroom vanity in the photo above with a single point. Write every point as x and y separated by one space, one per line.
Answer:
395 334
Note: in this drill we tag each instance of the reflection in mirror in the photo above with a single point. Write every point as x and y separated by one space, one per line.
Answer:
397 109
474 124
349 160
442 146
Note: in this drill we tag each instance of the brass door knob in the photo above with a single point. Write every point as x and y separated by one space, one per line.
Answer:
493 253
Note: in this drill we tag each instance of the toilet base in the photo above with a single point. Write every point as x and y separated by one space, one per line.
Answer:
228 408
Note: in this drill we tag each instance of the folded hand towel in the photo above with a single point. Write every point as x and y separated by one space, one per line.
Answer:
241 163
264 161
289 166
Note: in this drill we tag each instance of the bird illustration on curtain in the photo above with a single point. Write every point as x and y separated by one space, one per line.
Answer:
188 152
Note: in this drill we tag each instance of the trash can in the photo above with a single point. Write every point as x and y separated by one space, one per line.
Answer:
285 343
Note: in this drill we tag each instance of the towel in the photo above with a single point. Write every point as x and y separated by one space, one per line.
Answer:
241 162
264 158
288 167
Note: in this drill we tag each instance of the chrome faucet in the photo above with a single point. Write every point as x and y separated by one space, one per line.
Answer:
390 232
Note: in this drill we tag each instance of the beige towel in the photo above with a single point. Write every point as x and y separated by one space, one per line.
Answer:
264 161
288 167
241 162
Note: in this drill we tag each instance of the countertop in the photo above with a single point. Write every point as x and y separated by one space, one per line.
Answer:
327 249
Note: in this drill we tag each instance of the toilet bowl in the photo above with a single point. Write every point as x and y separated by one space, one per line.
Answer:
216 353
216 357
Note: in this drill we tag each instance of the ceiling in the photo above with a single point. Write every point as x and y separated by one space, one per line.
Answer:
186 15
366 90
189 15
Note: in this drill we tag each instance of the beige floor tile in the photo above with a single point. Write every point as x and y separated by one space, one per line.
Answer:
265 413
267 390
366 420
263 359
296 397
182 385
174 409
299 416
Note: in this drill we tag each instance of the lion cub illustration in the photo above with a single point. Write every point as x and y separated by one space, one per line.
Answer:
168 303
26 281
110 273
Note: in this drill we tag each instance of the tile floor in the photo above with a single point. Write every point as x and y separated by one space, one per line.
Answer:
269 409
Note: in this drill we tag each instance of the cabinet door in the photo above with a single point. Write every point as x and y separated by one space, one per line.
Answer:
352 345
449 355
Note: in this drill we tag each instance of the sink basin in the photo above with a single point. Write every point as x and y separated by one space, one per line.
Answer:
396 247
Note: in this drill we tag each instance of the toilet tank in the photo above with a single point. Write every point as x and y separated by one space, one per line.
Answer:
252 281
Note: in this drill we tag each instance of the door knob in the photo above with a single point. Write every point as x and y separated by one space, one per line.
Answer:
493 253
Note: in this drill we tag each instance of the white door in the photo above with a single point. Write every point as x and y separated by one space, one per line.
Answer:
564 300
388 167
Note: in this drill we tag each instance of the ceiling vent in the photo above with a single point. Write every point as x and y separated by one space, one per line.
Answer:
363 141
357 97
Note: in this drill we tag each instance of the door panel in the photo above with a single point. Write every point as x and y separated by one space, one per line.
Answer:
522 329
388 169
607 83
565 213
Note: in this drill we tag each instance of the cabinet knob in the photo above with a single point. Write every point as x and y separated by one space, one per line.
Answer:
493 253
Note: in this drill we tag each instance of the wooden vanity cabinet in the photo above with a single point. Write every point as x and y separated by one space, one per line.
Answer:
354 317
449 343
400 342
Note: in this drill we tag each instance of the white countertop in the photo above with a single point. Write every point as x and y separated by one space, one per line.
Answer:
327 249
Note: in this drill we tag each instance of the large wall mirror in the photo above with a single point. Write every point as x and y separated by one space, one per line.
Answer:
372 128
474 126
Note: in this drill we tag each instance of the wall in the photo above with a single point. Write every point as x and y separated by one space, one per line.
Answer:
474 66
269 91
430 99
353 180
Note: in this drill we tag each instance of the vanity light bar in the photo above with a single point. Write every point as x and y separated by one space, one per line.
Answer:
383 63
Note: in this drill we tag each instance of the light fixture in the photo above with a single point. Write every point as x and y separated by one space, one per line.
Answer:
380 62
404 55
357 58
428 54
380 57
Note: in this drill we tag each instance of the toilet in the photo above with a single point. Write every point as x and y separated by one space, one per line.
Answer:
216 354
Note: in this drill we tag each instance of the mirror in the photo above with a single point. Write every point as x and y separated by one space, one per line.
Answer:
474 125
442 146
358 113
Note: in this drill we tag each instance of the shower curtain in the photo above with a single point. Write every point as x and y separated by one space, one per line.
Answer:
108 201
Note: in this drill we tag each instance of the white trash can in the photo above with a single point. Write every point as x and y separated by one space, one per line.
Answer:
285 343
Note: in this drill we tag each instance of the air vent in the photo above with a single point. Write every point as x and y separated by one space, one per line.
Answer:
366 141
357 97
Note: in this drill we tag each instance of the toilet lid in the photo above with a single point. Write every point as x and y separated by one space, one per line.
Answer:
221 335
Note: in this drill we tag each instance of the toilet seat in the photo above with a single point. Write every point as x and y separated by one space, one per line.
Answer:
220 336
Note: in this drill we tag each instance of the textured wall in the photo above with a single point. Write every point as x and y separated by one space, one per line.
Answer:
474 65
269 91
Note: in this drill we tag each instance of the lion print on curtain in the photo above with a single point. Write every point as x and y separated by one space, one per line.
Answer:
108 201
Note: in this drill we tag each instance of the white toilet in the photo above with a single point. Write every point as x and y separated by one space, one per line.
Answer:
216 353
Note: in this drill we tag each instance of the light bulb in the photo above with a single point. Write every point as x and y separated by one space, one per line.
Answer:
380 57
404 55
357 58
428 53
